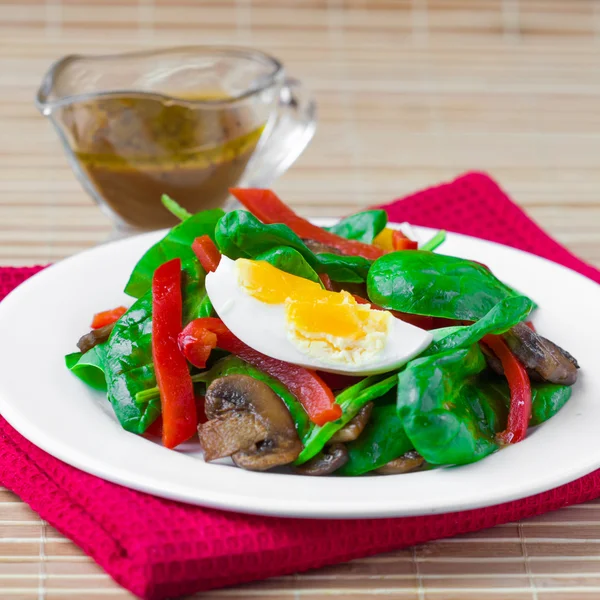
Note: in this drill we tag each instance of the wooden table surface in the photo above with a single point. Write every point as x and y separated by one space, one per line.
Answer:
410 93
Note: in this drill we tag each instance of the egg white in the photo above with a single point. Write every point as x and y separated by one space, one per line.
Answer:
264 327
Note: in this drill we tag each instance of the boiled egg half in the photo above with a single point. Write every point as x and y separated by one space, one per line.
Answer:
295 320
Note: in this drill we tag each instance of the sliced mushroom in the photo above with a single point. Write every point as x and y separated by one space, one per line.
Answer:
94 337
355 427
222 437
548 360
319 247
249 422
408 462
493 362
327 462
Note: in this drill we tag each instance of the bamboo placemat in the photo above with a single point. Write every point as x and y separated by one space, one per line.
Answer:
410 93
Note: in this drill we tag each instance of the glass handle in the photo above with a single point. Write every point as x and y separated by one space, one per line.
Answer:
293 127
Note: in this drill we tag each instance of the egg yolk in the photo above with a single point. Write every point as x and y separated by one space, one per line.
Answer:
268 284
319 321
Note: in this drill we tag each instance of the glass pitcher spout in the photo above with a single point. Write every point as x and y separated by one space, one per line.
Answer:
188 122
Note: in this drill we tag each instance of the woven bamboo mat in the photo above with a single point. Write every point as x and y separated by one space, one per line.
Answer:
410 93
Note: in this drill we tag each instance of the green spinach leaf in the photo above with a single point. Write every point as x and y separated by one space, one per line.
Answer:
239 234
442 409
501 318
89 367
364 226
176 244
129 368
423 283
382 440
206 308
546 400
193 291
291 261
346 269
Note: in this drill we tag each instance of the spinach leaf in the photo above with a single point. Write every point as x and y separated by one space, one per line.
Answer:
232 365
364 226
176 244
382 440
239 234
129 365
129 368
351 400
501 318
291 261
442 409
346 269
423 283
546 400
89 367
206 308
194 293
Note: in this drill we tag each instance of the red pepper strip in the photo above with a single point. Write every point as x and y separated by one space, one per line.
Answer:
310 390
422 321
520 391
207 253
265 205
108 317
172 374
401 242
530 325
326 281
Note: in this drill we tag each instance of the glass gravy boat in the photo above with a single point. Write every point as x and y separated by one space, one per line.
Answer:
189 122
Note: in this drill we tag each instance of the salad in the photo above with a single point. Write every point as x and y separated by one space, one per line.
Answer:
343 350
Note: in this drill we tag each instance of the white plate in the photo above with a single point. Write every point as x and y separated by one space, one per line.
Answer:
41 320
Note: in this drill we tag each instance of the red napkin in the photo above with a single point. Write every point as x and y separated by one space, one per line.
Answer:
158 548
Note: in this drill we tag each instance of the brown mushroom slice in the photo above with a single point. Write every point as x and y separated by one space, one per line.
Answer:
493 362
327 462
406 463
222 436
249 422
548 360
94 337
355 427
320 247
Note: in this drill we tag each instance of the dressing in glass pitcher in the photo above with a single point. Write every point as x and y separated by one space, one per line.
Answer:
188 122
